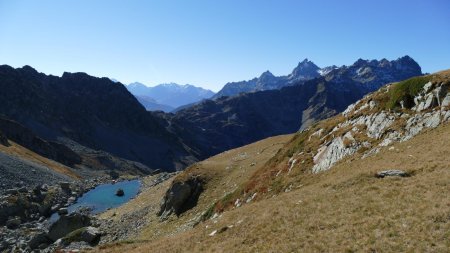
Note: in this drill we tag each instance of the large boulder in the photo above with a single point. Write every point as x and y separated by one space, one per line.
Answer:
67 224
181 196
392 173
120 192
38 240
90 235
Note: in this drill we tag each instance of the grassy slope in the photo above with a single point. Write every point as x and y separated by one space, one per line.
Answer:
223 172
345 209
24 153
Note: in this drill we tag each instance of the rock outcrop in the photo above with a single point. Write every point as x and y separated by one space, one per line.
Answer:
180 197
378 127
67 224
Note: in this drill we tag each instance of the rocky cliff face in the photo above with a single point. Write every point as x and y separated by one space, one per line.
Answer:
373 73
383 118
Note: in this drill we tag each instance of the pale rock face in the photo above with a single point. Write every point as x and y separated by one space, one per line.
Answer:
392 137
418 122
445 116
349 109
329 155
427 87
379 123
378 126
446 101
426 99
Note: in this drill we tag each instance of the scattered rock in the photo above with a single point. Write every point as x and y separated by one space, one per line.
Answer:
13 223
392 173
65 186
63 211
12 192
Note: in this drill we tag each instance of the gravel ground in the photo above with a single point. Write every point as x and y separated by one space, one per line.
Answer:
17 172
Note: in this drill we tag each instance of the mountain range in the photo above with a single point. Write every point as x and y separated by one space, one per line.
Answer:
213 126
166 97
305 70
89 114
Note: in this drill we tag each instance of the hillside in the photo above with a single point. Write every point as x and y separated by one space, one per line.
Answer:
321 188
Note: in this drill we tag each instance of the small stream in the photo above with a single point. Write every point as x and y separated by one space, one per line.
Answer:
104 197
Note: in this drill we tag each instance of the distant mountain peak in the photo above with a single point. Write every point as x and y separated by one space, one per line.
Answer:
305 69
360 62
266 74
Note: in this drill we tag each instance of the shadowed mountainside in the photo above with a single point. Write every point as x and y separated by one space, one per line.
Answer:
94 112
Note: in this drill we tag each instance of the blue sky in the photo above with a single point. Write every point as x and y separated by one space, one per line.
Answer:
209 43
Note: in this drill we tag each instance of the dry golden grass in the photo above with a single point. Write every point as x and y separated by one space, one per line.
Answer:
223 173
22 152
345 209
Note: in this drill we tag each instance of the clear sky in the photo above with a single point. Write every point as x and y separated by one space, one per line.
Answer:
209 43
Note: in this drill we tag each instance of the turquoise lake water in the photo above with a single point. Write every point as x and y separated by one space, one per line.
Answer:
104 197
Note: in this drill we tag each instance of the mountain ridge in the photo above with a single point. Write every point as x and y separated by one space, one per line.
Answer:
94 112
307 70
228 122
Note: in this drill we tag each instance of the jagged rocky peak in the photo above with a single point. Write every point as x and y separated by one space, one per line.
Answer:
266 75
407 63
305 69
